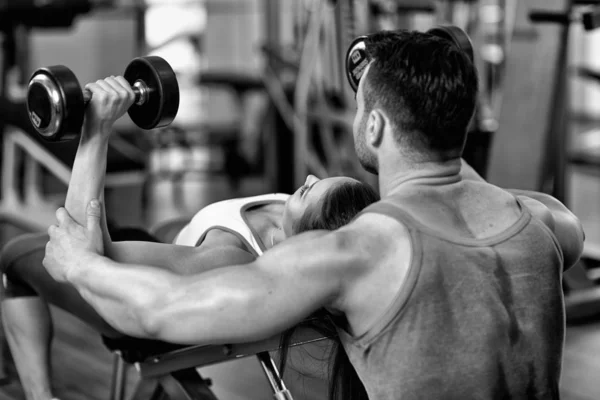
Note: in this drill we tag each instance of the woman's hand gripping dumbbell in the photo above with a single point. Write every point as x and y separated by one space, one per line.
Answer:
56 103
110 98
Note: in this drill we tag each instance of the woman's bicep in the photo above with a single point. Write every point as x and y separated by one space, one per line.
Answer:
179 259
206 259
147 253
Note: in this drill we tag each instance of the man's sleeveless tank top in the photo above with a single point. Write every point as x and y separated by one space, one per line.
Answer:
474 319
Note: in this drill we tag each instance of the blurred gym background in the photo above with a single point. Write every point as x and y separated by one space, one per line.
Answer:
264 101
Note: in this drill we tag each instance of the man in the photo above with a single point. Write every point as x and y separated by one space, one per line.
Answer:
447 288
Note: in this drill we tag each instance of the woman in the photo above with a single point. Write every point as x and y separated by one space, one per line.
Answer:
228 232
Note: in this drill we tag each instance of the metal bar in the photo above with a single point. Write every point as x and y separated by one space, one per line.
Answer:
591 19
415 6
272 13
552 17
198 356
187 385
119 375
266 362
280 392
556 158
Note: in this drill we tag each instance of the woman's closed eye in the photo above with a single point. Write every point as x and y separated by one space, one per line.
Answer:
303 189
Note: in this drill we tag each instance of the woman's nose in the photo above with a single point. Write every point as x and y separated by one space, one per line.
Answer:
310 179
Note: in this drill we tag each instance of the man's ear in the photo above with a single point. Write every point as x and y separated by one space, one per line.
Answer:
375 128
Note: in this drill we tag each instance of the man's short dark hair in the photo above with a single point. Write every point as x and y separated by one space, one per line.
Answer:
426 85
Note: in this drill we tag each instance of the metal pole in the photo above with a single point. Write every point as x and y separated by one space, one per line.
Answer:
272 12
280 392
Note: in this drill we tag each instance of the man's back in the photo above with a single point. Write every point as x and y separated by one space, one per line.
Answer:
478 313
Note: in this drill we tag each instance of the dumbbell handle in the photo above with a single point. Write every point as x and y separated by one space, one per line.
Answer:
140 90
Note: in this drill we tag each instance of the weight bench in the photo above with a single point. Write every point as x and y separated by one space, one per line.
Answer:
169 371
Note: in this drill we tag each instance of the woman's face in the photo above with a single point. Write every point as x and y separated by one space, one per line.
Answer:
308 195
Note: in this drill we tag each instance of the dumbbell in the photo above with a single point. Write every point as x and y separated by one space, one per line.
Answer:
56 102
457 36
357 59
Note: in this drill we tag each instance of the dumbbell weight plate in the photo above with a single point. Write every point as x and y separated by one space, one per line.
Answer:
456 35
357 59
162 102
55 103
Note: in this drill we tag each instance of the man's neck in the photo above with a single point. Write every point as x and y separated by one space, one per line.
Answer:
397 175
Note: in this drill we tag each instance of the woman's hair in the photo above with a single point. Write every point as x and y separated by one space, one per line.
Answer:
340 205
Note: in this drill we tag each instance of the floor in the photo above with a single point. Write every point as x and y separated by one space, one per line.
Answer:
581 363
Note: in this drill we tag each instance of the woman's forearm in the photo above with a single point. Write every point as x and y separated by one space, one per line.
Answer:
87 179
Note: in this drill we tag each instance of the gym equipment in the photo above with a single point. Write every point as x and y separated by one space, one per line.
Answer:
171 371
457 36
46 14
411 6
53 13
56 103
590 17
357 59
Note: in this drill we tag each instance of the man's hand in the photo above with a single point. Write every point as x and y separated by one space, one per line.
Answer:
111 98
71 244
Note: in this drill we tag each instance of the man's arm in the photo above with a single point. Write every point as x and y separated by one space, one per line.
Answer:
230 304
566 226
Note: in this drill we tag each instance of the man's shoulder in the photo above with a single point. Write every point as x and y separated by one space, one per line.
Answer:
374 234
378 220
383 246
